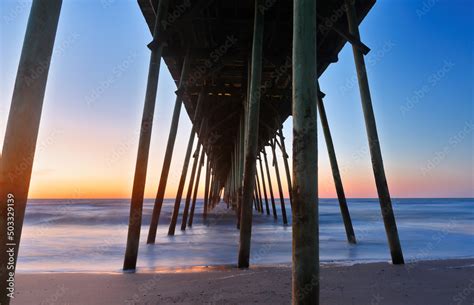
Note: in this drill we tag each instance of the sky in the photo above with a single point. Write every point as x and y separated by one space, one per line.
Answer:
420 71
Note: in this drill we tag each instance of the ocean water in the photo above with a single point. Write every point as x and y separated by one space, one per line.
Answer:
90 235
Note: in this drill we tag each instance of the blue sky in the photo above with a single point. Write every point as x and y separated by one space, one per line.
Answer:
420 71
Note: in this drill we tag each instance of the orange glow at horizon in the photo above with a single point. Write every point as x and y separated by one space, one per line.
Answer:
100 164
358 184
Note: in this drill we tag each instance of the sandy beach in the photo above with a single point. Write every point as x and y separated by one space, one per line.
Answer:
429 282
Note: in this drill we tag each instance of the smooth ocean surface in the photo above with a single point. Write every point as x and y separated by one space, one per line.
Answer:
90 235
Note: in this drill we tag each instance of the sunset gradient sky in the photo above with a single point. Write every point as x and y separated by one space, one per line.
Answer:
420 71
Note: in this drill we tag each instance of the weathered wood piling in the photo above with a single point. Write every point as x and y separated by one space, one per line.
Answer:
278 179
196 187
374 144
285 161
264 188
346 217
251 148
187 203
155 216
16 161
305 224
270 187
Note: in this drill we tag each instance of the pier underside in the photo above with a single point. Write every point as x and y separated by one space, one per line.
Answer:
241 68
217 36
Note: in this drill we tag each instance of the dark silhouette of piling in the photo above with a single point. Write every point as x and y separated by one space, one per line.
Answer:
264 188
190 187
346 217
155 216
374 144
21 134
196 187
251 148
280 188
270 187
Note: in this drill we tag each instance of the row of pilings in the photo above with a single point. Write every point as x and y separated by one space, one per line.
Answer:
246 183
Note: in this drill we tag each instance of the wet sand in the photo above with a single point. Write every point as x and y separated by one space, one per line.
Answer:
430 282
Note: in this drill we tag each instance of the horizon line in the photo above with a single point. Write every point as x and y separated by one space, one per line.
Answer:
128 198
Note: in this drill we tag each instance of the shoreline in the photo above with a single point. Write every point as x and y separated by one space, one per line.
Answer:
210 268
432 282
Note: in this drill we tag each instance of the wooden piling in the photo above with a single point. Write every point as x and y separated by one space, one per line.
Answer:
280 188
206 189
257 195
240 164
305 267
255 205
168 156
231 182
259 199
227 185
155 216
179 193
346 217
135 220
285 162
196 187
190 187
233 172
209 195
212 190
216 192
374 144
16 161
270 187
255 200
212 187
252 138
262 175
182 180
259 192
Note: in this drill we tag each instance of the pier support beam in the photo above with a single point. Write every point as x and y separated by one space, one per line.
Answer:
182 180
135 220
270 187
262 175
346 217
190 187
285 162
255 203
374 144
155 216
280 188
212 189
259 192
253 111
206 189
305 267
184 172
21 134
240 164
209 192
196 188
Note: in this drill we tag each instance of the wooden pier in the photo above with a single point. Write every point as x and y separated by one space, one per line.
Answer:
241 69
